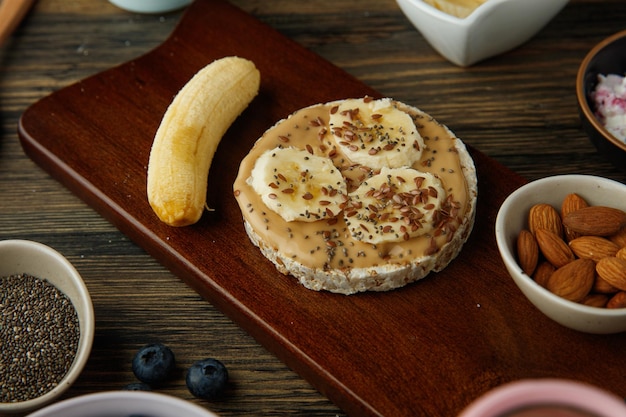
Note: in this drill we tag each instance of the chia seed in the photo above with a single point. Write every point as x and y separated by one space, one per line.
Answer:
39 333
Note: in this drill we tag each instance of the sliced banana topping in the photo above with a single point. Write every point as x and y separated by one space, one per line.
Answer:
375 133
297 185
395 205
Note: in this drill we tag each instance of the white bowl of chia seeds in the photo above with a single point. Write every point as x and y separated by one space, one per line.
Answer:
124 404
46 325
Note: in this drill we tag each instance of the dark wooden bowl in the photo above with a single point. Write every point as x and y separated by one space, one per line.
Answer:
607 57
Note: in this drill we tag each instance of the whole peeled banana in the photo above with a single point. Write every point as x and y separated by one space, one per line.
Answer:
188 136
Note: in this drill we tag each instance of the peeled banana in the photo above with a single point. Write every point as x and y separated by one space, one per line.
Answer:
188 136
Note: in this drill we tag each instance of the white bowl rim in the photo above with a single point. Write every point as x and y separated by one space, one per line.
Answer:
150 7
87 331
147 396
509 257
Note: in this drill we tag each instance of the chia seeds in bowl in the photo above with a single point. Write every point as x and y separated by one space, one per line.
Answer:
46 325
39 333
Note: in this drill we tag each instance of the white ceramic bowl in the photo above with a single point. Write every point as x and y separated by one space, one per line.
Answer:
150 6
494 27
512 217
36 259
124 404
527 393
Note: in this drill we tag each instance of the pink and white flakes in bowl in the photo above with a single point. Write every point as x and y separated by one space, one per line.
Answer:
609 99
607 58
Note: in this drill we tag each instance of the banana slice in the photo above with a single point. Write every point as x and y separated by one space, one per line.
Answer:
395 205
297 185
375 133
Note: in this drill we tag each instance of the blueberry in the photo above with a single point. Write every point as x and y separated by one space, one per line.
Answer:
137 386
153 363
207 379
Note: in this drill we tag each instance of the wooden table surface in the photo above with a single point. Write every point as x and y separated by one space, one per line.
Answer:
519 108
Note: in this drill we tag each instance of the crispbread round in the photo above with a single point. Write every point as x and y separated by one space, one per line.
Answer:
378 276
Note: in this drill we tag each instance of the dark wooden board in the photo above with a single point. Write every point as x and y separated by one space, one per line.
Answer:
428 349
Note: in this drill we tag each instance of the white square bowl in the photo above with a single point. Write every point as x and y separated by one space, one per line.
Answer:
494 27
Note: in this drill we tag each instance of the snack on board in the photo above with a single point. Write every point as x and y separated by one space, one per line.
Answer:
358 195
187 138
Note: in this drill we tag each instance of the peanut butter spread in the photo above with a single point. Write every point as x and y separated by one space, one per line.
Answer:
328 243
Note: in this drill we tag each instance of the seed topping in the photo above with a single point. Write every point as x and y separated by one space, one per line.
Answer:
39 334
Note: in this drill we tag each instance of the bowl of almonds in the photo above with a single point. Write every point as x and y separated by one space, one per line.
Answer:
563 241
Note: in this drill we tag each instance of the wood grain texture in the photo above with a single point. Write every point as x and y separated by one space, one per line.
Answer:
518 108
454 335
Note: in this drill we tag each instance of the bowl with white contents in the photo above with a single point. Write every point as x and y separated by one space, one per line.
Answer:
468 31
601 96
124 404
47 323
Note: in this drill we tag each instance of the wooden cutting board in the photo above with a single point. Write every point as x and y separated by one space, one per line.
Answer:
425 350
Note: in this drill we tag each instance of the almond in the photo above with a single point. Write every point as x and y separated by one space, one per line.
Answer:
619 238
621 253
553 248
595 220
543 272
574 280
527 252
571 202
601 286
593 247
595 300
613 271
544 216
617 301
